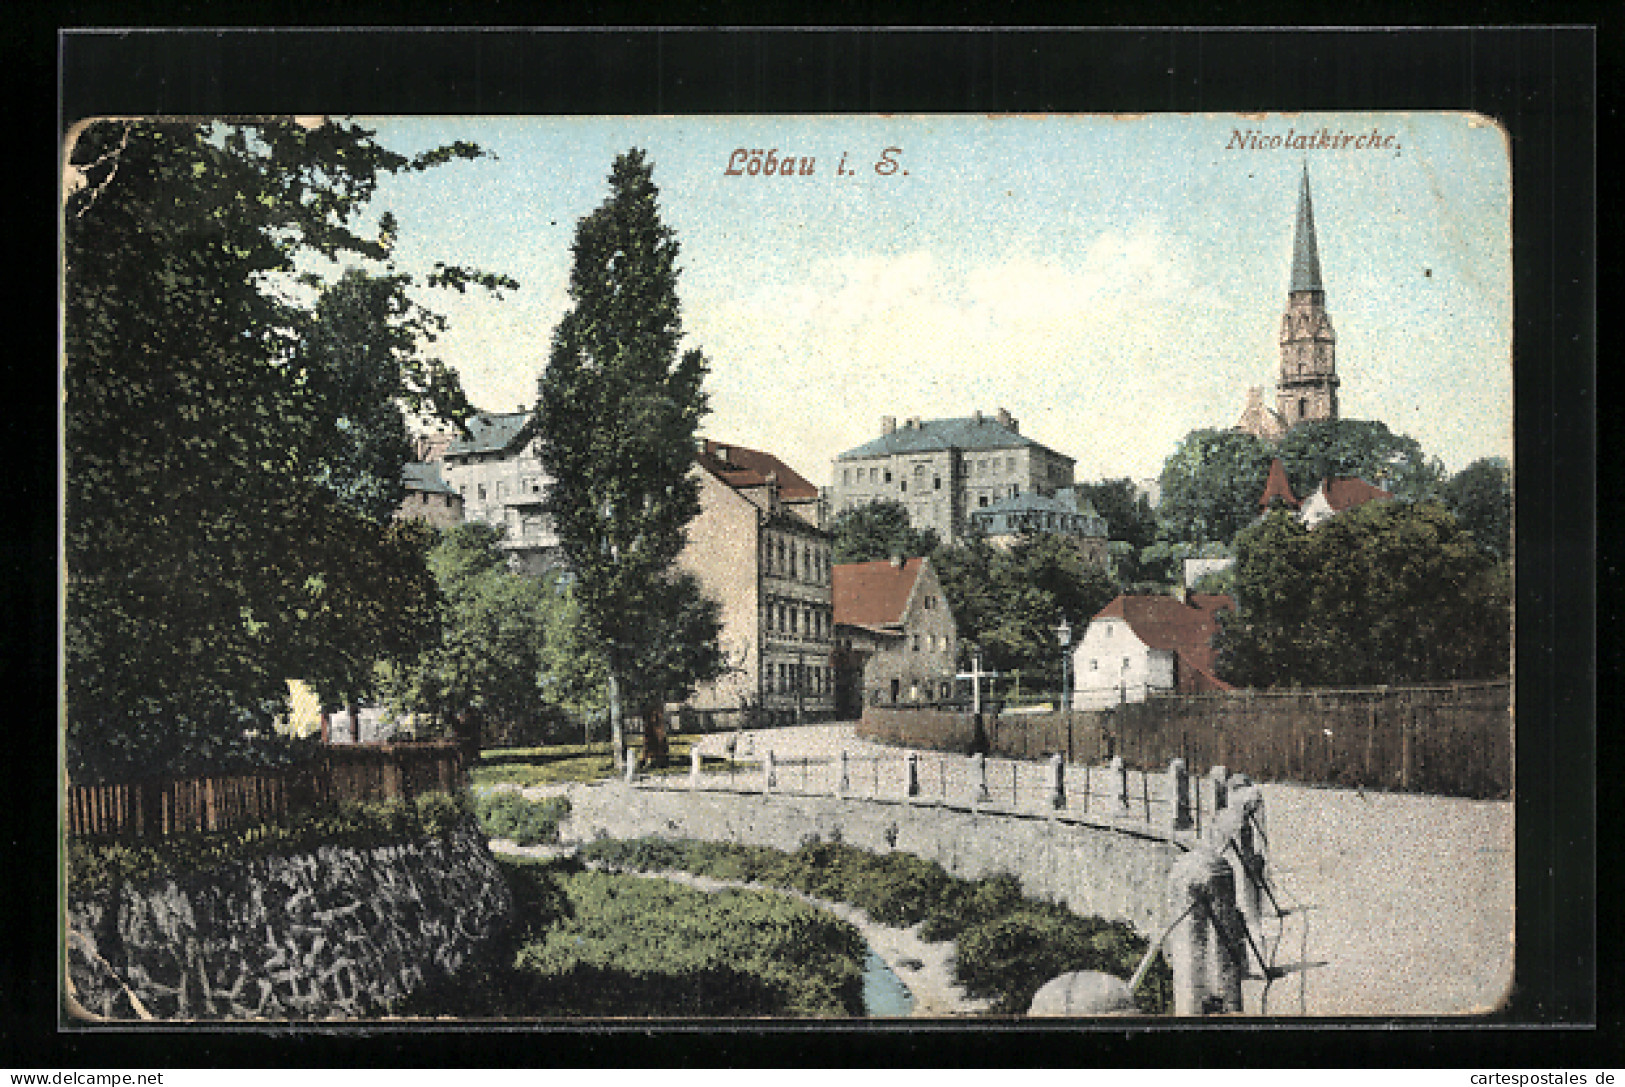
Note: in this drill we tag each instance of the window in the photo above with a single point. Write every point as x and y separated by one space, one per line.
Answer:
846 475
1125 664
916 643
1108 628
1010 464
936 483
874 474
888 475
903 484
981 500
1094 666
482 491
792 560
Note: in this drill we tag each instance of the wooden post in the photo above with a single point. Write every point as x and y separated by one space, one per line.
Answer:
1200 947
1057 781
1179 795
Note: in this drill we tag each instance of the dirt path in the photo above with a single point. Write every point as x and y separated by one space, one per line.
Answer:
926 969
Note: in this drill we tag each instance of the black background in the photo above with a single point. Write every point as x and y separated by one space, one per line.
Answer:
1540 83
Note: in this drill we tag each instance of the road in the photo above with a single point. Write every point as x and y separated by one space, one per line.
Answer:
1409 897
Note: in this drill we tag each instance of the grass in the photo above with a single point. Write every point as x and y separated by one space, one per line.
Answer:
561 764
1009 945
598 945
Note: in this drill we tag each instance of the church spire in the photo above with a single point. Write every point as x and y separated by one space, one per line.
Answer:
1305 254
1307 387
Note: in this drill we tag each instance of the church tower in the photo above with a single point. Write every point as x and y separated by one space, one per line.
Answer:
1307 387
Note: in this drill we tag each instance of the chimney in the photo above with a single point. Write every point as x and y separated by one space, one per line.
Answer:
1255 396
1008 421
897 562
976 417
914 423
888 425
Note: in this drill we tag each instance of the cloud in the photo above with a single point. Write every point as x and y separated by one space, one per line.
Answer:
1083 351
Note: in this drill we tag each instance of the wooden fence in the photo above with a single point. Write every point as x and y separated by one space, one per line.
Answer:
1453 739
340 774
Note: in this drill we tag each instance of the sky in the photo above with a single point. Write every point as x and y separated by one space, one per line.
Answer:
1113 282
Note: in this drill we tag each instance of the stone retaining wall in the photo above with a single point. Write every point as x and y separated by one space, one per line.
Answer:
335 934
1095 868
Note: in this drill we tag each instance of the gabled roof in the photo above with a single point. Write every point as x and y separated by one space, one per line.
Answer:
1346 492
934 435
1278 487
419 476
873 594
1185 627
490 432
740 467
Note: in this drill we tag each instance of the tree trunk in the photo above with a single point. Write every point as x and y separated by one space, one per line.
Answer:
617 735
656 751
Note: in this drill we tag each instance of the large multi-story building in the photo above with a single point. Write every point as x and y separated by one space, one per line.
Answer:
944 470
498 474
1068 515
758 550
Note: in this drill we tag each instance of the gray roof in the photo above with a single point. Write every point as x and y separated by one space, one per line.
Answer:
935 435
1029 502
1305 254
419 476
492 432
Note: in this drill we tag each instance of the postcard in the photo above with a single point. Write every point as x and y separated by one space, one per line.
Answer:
651 569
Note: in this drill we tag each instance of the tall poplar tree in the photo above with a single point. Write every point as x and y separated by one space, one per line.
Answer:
617 413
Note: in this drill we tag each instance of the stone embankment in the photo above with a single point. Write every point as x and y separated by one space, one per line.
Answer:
338 933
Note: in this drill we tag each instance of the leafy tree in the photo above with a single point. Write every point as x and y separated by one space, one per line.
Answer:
213 520
617 414
1480 495
879 530
508 650
1210 486
1366 449
1008 603
1390 592
1128 513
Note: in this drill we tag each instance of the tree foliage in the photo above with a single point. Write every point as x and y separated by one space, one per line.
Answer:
1128 512
1390 592
617 415
879 530
1365 449
228 447
1008 603
1480 496
1212 482
1210 486
509 646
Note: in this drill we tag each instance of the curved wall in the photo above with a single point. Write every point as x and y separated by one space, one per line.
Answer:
1095 868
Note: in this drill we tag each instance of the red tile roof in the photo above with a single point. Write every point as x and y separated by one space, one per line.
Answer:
1346 492
873 594
740 467
1278 487
1164 622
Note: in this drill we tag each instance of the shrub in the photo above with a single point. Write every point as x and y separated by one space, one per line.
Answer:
1010 958
508 814
95 866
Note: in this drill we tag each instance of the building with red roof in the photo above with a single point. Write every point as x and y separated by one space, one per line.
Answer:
757 549
896 640
1277 489
1338 494
1137 646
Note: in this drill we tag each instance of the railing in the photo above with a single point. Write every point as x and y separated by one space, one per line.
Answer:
358 772
1220 902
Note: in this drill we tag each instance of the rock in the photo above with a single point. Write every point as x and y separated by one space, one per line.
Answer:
1083 993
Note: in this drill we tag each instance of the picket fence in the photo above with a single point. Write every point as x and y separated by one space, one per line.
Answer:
340 774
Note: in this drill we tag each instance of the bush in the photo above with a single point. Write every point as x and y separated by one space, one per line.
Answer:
1010 958
508 814
95 866
1009 945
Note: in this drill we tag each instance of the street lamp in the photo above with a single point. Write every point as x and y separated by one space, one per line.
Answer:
1063 634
